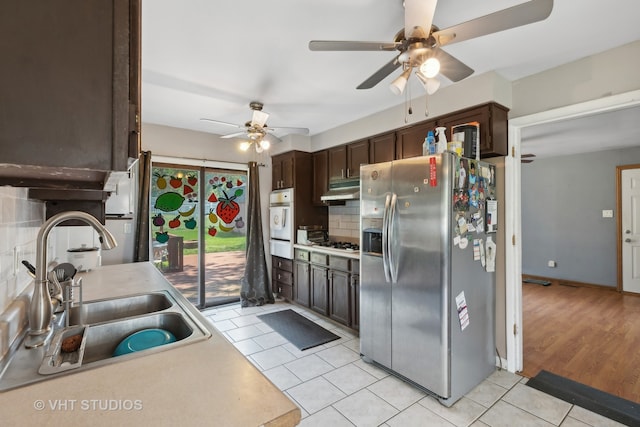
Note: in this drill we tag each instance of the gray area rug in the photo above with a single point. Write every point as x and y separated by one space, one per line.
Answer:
297 329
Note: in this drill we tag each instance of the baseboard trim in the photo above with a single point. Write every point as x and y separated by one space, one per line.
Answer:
573 283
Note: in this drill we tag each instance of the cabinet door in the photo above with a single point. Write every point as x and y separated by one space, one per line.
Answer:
355 301
339 296
319 291
492 119
276 173
382 148
302 285
64 84
338 162
288 165
410 140
320 175
357 154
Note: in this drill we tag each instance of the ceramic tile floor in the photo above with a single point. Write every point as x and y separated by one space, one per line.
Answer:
334 387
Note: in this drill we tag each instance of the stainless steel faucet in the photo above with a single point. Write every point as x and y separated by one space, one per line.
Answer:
40 309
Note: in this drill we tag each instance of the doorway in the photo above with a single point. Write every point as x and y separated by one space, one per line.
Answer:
629 228
513 226
198 232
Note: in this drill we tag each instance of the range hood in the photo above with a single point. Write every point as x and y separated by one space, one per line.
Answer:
342 190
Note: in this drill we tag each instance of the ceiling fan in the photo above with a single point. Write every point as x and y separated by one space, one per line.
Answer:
257 131
419 42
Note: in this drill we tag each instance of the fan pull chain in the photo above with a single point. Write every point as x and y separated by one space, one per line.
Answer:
407 100
426 106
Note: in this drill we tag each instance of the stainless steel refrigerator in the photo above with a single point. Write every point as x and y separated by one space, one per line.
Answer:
427 291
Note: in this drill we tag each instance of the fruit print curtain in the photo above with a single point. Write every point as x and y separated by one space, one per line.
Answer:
255 289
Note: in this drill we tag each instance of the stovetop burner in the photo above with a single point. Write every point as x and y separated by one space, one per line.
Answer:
341 245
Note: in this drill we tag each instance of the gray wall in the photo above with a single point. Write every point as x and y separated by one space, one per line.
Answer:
562 202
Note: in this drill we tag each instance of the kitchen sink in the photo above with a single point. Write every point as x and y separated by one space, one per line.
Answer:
105 310
105 323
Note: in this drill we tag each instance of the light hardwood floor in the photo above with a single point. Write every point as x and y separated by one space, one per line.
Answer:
589 335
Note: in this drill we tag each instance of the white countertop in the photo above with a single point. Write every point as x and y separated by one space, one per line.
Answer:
204 383
331 251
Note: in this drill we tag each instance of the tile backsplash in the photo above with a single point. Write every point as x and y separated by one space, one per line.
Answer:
344 221
20 221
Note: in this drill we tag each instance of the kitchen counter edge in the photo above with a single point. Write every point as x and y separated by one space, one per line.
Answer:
183 386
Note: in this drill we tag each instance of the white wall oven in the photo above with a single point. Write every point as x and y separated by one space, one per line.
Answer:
281 223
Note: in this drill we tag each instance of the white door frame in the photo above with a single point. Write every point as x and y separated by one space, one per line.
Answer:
513 226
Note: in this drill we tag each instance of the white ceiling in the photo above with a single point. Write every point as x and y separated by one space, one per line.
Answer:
204 58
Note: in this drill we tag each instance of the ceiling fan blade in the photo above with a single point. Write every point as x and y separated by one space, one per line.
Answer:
233 135
288 130
522 14
222 123
379 75
338 45
271 138
259 118
418 13
451 67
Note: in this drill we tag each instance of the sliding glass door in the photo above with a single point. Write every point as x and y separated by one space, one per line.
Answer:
198 217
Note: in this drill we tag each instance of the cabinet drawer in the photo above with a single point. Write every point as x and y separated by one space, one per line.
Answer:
284 277
317 258
302 255
283 264
339 263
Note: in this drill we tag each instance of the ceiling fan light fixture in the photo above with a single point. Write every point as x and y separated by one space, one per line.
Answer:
398 85
244 145
430 85
264 144
430 68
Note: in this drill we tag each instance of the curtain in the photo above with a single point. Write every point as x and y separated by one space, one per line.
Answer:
141 250
255 288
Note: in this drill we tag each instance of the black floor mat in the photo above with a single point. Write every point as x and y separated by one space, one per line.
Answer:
297 329
605 404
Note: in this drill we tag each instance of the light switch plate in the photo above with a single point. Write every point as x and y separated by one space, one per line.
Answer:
607 213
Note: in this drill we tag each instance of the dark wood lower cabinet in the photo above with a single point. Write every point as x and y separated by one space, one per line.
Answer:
319 289
327 284
282 277
302 283
354 288
339 296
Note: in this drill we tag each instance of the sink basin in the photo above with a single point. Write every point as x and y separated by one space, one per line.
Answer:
99 311
103 339
104 325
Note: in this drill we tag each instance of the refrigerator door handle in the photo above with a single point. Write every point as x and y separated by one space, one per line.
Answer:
385 238
393 263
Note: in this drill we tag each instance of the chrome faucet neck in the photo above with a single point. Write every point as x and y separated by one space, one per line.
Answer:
40 309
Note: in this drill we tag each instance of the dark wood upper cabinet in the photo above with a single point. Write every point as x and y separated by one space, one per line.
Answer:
345 160
492 119
382 148
409 140
357 154
70 90
283 171
320 175
337 162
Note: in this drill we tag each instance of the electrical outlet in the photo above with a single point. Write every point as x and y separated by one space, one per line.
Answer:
607 213
551 264
127 228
